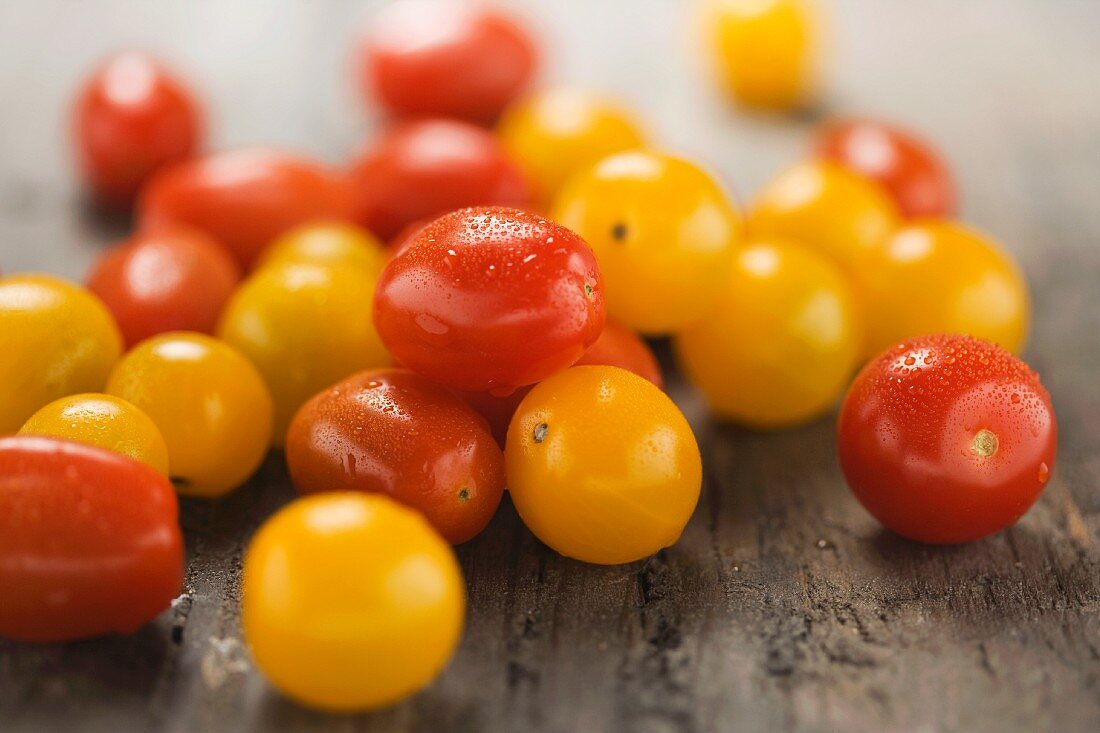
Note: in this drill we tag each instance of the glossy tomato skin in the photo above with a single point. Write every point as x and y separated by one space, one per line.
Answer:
170 280
917 178
946 439
490 299
445 57
90 541
377 568
393 432
602 466
424 169
618 346
246 198
132 116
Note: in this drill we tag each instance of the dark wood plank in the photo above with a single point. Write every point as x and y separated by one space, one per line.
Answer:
784 607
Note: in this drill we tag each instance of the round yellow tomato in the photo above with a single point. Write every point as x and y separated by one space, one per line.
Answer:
767 50
823 205
56 339
305 327
209 403
602 466
336 244
782 343
936 276
103 420
558 132
350 601
664 234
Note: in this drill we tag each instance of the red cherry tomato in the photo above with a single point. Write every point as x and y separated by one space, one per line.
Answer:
909 169
490 299
403 239
946 439
246 198
421 170
618 346
444 57
394 432
170 280
131 117
89 540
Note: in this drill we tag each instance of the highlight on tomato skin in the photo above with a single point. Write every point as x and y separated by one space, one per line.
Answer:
946 439
114 555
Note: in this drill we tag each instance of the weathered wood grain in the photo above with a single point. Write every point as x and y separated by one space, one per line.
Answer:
784 607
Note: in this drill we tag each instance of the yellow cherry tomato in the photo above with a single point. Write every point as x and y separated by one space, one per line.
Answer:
350 601
56 339
103 420
602 466
336 244
664 234
558 132
209 402
782 343
305 327
820 204
936 276
767 50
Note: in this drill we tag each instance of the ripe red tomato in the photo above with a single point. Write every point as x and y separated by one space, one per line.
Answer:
421 170
89 540
490 299
444 57
131 117
170 280
246 198
620 347
946 439
914 174
394 432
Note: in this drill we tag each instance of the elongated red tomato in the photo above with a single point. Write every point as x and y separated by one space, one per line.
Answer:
246 198
89 541
393 432
490 299
421 170
131 117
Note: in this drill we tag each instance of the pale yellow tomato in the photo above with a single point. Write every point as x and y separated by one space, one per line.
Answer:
664 234
937 276
56 339
103 420
327 243
350 601
782 343
602 466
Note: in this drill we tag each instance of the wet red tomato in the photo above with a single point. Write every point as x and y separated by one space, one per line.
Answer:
131 117
246 198
620 347
490 299
421 170
89 541
445 57
914 174
393 432
946 439
401 241
169 280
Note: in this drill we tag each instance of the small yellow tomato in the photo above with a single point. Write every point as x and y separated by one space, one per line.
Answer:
56 339
823 205
103 420
767 50
602 466
350 601
336 244
305 327
782 343
557 132
664 234
209 403
936 276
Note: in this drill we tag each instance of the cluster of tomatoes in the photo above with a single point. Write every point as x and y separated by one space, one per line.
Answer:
492 342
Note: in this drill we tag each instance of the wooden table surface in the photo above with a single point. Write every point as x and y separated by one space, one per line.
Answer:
784 606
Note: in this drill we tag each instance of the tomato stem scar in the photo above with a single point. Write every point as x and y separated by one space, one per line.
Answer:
464 493
985 443
540 432
618 231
